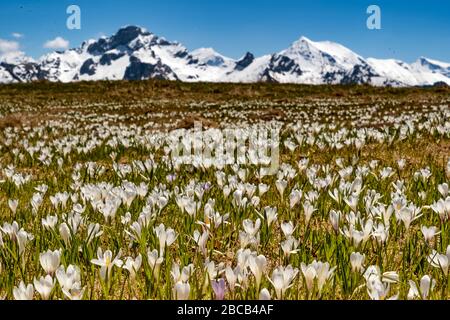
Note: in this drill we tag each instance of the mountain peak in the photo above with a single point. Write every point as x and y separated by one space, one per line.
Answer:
132 30
302 42
209 56
427 61
424 64
127 34
423 61
121 39
205 51
247 55
305 39
245 61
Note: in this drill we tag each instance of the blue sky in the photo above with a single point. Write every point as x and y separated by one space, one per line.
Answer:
409 28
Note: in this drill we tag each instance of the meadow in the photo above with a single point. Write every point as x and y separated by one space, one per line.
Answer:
94 204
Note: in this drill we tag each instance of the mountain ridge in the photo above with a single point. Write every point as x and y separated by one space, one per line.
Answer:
133 53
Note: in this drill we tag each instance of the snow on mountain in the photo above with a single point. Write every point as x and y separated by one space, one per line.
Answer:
6 76
133 53
393 69
253 72
200 65
209 57
305 61
65 66
321 57
433 66
407 75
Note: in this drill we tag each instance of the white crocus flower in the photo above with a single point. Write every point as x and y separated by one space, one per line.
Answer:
282 278
11 229
76 292
378 285
133 265
426 286
36 202
49 222
264 295
290 246
441 261
13 205
67 278
310 273
50 260
23 292
388 276
401 164
443 189
44 286
257 267
165 236
322 272
308 210
294 198
357 261
442 208
65 233
378 290
335 195
107 262
335 217
181 291
250 227
270 214
429 233
154 261
408 215
352 202
182 275
202 239
23 238
281 186
287 228
262 188
231 276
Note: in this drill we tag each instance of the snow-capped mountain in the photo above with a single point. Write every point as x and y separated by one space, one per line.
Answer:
136 54
433 66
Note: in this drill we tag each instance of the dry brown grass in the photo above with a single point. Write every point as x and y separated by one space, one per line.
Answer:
190 121
129 92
